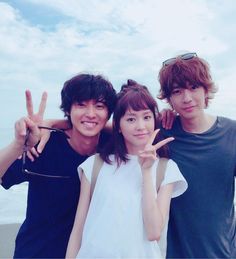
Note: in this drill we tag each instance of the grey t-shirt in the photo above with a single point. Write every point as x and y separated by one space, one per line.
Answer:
202 221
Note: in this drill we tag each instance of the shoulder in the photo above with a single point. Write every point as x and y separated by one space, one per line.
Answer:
176 127
57 139
88 163
104 138
87 166
226 122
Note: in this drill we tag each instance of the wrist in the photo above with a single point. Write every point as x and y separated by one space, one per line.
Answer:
17 147
146 171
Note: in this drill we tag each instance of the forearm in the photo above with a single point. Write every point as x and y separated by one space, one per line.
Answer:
81 214
8 155
152 216
57 123
74 244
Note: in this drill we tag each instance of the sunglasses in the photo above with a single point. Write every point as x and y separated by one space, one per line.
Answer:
24 169
185 56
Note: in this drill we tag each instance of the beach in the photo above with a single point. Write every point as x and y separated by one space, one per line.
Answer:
13 204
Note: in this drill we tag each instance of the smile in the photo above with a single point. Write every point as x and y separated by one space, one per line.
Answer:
89 124
188 109
141 135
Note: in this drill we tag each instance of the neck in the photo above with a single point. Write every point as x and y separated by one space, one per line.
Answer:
198 124
82 144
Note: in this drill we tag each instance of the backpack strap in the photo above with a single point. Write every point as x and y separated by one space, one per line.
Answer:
97 165
160 172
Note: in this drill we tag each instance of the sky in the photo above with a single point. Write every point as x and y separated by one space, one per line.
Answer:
45 42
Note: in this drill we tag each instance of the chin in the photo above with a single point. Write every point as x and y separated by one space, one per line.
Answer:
91 133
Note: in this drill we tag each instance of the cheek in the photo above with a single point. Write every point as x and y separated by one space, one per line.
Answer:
152 125
124 128
173 102
104 116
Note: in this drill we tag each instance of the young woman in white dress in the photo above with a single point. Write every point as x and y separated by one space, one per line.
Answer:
126 215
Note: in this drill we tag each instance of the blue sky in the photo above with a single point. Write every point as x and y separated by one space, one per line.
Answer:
45 42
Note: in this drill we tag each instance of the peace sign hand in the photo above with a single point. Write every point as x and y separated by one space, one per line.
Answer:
35 117
147 156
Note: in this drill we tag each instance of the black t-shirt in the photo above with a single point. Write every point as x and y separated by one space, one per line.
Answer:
51 202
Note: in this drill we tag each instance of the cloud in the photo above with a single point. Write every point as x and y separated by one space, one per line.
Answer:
121 39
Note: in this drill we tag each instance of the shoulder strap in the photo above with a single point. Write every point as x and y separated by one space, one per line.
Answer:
97 165
160 173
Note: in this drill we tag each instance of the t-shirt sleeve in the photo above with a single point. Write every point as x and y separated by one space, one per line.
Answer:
13 175
86 168
173 175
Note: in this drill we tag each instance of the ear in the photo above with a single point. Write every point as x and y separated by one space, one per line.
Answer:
206 98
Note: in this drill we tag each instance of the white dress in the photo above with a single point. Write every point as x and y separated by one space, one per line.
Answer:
114 225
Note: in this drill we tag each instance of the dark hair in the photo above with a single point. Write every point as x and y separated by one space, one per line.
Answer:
131 96
84 87
196 71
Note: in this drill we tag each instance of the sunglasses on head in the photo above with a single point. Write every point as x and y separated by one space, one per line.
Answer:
185 56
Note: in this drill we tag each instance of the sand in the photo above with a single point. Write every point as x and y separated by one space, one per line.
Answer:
7 239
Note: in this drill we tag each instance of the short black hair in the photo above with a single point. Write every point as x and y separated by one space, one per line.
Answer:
84 87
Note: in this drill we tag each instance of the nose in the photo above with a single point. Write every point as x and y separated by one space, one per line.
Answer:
90 111
187 97
140 124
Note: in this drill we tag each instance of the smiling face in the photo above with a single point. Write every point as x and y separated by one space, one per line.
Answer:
189 101
136 128
88 118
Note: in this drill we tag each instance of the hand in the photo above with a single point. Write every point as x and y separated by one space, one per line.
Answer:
148 155
21 127
167 118
37 118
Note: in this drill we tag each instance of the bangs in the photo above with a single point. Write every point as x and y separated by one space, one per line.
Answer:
137 101
89 92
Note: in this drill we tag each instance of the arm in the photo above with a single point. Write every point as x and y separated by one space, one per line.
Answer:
10 153
81 214
154 209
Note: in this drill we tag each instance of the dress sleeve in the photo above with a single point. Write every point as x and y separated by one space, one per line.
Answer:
173 175
86 168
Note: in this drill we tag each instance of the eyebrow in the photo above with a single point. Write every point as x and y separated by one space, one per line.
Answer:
146 111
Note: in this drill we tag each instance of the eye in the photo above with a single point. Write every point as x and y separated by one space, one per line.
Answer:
176 91
80 104
130 119
100 105
147 117
194 87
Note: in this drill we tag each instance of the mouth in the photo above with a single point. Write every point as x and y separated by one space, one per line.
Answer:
141 135
89 124
188 109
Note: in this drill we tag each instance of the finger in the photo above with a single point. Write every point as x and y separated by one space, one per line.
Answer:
42 105
149 156
43 141
163 119
170 119
151 139
29 103
21 127
31 125
163 142
30 156
34 152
